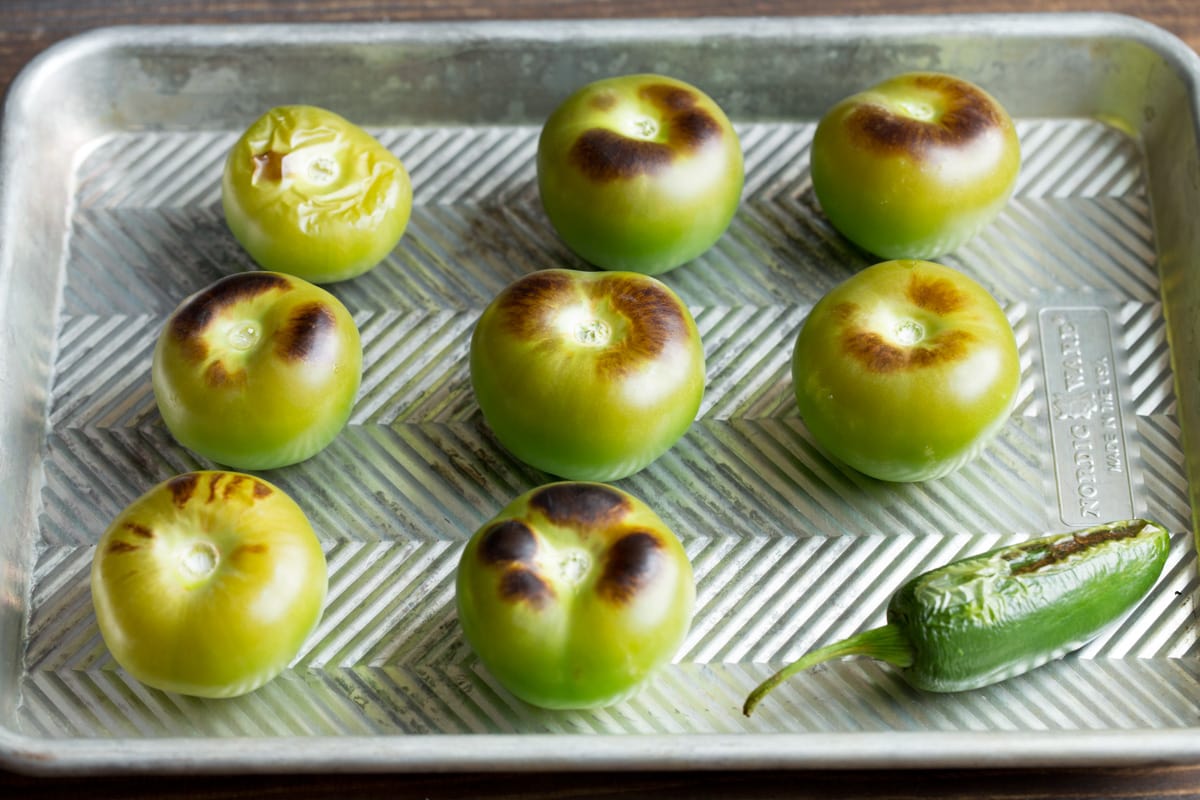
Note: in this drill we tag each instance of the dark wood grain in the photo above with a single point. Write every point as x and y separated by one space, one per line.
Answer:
1132 784
29 26
918 785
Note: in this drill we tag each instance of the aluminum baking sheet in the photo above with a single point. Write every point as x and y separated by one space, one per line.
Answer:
113 145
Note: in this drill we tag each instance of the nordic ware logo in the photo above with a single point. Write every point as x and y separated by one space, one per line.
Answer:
1091 464
1075 406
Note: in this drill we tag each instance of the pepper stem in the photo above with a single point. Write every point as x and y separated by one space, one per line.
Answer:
887 643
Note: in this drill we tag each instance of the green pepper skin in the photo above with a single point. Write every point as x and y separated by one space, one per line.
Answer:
989 617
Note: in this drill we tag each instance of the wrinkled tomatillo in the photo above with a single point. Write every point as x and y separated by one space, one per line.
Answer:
208 584
310 193
905 370
257 371
587 375
639 172
915 166
574 594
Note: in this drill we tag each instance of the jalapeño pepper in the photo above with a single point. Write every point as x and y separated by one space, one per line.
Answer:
988 617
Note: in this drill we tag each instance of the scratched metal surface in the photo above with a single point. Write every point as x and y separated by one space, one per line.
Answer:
113 147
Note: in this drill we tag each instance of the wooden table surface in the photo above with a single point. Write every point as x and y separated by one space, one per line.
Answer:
29 26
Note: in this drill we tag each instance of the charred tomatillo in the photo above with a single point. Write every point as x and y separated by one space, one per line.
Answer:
257 371
639 172
574 594
309 193
905 370
587 375
915 166
208 584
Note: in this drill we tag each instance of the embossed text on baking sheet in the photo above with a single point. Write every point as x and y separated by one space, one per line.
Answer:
1091 455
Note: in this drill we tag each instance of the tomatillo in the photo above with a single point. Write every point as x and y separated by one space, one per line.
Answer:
915 166
640 173
258 370
574 594
208 584
309 193
906 370
587 375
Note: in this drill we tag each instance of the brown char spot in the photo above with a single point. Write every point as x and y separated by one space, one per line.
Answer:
845 312
1079 542
217 376
182 488
586 504
870 350
257 549
232 485
137 529
225 484
508 542
306 330
693 129
968 113
936 295
1087 539
119 546
529 302
671 99
629 565
604 155
602 101
655 316
268 166
521 585
878 355
189 322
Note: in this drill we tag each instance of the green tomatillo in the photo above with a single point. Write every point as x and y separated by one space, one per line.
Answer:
257 371
639 172
574 594
587 375
906 370
310 193
208 584
915 166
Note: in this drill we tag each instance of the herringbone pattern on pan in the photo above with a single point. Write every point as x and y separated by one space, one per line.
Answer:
790 550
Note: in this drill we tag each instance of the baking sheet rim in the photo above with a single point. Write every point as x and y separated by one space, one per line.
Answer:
556 752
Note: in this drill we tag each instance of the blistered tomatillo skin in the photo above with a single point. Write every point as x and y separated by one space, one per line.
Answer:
309 193
257 371
915 166
574 594
587 375
208 584
639 172
906 370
